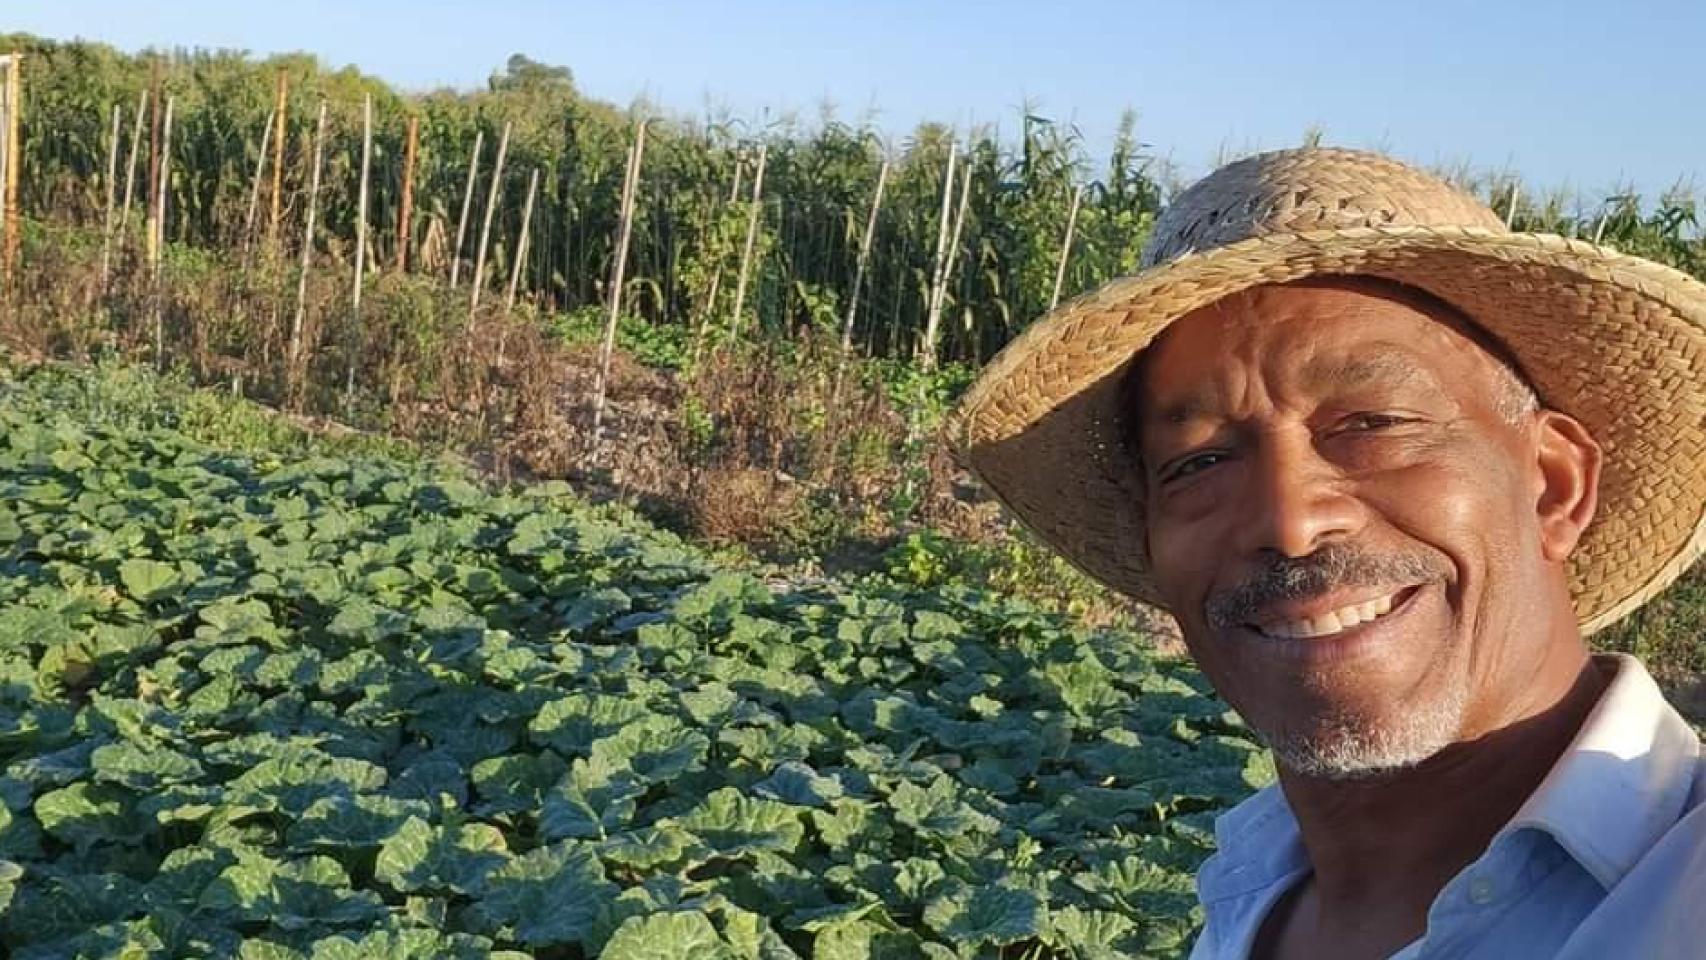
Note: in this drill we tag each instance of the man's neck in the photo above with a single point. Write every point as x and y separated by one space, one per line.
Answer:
1382 848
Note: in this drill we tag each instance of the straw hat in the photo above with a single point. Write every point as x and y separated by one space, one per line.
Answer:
1616 341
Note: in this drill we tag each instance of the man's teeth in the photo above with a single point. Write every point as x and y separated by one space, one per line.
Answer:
1331 622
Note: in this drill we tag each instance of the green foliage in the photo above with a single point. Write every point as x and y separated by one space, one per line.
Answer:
361 707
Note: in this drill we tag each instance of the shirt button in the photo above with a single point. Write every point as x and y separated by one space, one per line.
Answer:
1480 891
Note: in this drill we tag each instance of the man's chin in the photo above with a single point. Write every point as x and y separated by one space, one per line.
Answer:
1359 748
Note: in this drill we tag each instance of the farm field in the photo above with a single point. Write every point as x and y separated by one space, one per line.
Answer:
332 704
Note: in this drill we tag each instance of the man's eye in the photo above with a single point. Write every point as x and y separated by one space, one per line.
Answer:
1372 421
1195 463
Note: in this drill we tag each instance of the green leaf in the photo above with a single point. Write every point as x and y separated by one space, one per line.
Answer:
988 914
572 723
551 896
732 823
150 580
341 821
667 936
85 813
592 801
420 856
142 767
938 811
798 784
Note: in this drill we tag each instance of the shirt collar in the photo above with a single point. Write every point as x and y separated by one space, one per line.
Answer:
1623 781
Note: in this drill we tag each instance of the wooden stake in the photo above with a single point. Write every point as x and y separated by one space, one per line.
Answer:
521 242
1510 207
295 353
142 105
926 350
14 159
112 196
752 218
618 270
858 284
150 228
280 103
158 244
255 185
5 128
403 230
467 199
493 195
360 244
1066 245
864 258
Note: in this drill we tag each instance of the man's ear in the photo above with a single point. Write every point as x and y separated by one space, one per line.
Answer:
1568 482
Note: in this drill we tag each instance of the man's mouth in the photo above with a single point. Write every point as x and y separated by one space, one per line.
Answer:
1335 621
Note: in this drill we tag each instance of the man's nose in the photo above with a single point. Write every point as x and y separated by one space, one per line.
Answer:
1298 500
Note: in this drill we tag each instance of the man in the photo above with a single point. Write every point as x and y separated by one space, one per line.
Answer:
1388 465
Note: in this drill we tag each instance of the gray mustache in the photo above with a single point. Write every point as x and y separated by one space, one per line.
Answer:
1302 578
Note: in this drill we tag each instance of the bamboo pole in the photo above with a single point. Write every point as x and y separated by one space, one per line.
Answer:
280 103
752 218
521 242
1066 245
925 351
864 258
5 127
142 104
151 236
948 267
860 264
467 200
618 270
255 185
14 159
307 250
404 234
112 195
493 195
360 245
158 244
1510 206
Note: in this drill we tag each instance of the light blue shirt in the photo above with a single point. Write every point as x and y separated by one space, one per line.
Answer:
1607 858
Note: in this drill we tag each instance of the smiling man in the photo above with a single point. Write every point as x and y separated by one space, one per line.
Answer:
1389 465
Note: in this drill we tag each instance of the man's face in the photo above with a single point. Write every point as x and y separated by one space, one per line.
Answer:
1346 514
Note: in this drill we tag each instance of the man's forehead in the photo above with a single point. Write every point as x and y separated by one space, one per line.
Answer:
1338 332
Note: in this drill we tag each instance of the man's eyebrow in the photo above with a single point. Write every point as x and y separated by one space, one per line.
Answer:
1364 369
1347 372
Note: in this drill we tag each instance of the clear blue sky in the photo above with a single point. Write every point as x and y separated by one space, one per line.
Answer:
1571 94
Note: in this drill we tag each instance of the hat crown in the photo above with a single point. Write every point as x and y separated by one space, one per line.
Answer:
1313 188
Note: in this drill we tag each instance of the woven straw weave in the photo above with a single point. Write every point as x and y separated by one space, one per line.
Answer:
1614 340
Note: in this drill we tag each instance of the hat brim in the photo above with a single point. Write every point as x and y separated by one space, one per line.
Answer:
1613 340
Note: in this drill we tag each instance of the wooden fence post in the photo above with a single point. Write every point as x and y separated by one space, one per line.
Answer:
1066 245
493 195
157 247
521 242
296 324
360 246
280 103
112 196
752 219
410 144
255 187
467 200
14 163
142 106
618 270
926 351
